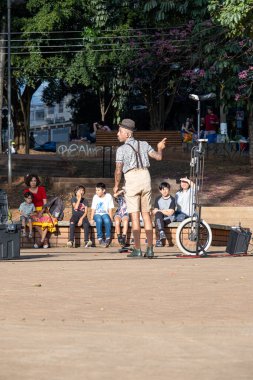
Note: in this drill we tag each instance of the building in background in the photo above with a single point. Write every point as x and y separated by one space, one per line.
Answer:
51 123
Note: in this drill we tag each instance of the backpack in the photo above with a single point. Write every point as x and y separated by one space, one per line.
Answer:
56 207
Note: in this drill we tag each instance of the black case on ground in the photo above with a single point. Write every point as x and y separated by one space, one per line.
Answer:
238 241
9 232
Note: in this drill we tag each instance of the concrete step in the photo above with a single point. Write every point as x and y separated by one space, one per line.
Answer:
44 165
232 216
52 165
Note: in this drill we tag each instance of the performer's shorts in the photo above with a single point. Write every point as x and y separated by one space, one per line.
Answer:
138 190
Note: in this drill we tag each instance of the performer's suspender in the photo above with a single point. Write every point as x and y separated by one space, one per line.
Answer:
137 155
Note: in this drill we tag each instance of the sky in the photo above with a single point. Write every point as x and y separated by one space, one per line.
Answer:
36 99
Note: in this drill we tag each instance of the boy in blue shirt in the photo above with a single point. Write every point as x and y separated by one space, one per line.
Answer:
102 212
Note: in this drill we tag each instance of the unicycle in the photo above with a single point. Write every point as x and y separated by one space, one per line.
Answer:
194 235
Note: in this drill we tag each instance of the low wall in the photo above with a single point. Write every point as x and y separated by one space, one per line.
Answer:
80 149
229 150
61 237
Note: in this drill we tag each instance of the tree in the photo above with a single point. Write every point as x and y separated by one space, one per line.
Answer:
236 16
156 67
78 60
167 54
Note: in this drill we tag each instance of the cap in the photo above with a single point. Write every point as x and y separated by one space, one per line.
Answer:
128 124
185 180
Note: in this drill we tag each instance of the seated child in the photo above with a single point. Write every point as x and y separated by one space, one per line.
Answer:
27 209
164 211
101 211
79 216
188 132
121 215
185 198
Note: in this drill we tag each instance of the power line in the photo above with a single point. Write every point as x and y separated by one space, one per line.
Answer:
180 27
86 38
82 51
102 31
93 45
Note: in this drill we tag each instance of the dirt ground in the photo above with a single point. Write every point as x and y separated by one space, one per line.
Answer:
70 314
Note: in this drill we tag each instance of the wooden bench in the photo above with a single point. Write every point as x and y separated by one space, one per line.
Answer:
110 140
61 236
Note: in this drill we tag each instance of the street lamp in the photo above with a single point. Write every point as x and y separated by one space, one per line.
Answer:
201 98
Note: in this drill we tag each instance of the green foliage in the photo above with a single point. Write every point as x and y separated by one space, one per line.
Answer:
236 15
125 46
176 10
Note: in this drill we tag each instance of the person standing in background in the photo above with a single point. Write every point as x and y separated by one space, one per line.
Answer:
211 123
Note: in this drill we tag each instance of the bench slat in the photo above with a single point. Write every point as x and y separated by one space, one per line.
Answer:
108 139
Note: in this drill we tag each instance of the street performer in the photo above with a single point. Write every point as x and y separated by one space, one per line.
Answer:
132 159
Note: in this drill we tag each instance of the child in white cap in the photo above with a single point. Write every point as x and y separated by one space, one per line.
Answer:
184 197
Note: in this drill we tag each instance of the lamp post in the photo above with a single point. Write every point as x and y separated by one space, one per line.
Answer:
9 92
200 98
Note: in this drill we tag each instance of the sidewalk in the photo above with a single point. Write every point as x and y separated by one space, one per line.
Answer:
70 314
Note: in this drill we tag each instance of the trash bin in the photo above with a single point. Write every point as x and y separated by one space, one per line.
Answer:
9 232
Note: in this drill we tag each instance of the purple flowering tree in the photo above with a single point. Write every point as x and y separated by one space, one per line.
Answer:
157 62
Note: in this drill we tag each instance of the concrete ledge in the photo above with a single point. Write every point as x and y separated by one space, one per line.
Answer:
61 236
65 223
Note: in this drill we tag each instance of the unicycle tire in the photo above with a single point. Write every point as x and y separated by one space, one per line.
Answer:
186 237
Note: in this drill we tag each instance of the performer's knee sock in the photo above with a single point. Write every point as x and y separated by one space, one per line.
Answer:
149 234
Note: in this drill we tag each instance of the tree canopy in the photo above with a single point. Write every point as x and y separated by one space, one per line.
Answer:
155 48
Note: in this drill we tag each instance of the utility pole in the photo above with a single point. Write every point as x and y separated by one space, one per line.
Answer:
9 93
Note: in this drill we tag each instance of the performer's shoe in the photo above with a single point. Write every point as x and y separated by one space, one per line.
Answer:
135 253
149 252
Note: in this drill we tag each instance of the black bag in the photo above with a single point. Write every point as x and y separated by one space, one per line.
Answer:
56 207
3 207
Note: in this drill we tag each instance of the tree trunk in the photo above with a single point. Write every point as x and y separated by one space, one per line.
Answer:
101 94
159 111
223 116
2 65
104 108
154 116
21 118
25 102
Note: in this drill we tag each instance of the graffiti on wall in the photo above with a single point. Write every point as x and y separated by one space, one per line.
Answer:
80 150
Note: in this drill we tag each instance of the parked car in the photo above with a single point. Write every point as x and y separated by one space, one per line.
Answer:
49 146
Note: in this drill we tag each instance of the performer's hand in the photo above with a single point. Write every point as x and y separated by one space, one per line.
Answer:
115 189
161 144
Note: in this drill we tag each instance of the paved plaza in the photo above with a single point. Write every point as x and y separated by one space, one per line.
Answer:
70 314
